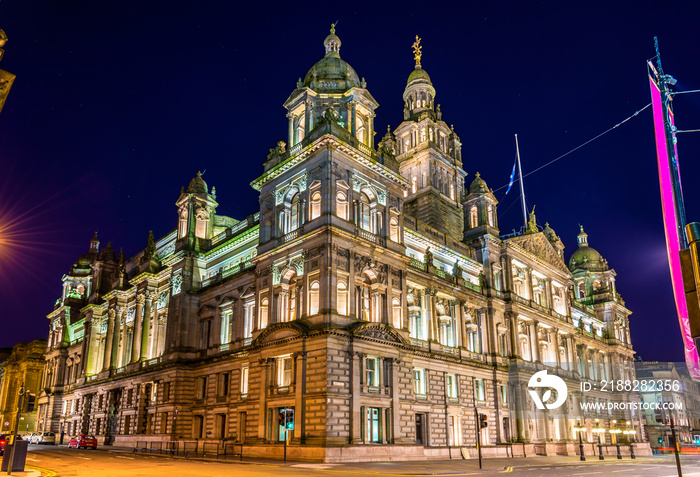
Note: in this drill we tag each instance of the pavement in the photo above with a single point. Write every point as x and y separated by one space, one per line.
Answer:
41 458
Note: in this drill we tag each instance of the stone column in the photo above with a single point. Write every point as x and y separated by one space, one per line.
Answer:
146 326
353 120
109 340
290 133
514 341
299 391
534 341
266 364
528 277
557 359
395 401
136 340
356 416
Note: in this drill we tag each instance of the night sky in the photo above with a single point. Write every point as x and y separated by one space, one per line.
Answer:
117 105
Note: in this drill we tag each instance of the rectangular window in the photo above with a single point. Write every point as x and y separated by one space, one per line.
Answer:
451 384
225 327
419 384
284 371
479 391
198 430
221 425
223 385
244 380
201 387
371 371
503 391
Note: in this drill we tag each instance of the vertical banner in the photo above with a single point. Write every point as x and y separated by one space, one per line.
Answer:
672 227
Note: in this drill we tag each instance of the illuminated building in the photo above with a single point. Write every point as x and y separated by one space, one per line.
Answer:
23 366
371 293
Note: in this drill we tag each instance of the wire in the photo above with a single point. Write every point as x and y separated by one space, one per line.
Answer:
582 145
685 92
678 131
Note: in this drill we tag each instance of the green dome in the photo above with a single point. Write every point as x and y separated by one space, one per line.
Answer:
418 74
586 257
331 72
332 69
197 185
478 185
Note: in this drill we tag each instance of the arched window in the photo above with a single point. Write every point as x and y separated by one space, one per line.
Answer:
292 297
360 128
525 347
341 206
263 312
414 185
315 205
300 128
366 301
365 213
396 312
394 229
490 214
473 217
342 298
294 218
314 298
582 290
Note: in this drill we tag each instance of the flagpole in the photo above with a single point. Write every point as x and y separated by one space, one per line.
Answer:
522 188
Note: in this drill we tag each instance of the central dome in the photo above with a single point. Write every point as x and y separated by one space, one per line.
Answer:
586 257
331 72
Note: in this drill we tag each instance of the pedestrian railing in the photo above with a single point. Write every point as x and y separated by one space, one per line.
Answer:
192 449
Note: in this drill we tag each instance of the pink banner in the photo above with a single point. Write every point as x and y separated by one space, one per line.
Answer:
671 226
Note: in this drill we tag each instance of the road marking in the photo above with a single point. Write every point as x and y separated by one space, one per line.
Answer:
589 473
124 457
506 470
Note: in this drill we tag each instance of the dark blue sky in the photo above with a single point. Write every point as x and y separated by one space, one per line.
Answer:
118 104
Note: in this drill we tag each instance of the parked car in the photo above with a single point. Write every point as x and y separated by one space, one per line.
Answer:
2 444
84 441
43 438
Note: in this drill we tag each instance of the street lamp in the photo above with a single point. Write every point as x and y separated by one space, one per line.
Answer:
615 431
598 431
578 428
630 432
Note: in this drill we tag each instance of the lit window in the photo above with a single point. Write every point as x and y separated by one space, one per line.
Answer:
341 205
342 298
315 205
490 215
451 384
244 380
365 213
394 229
284 371
473 217
294 214
263 312
226 327
479 391
314 298
396 312
419 384
503 391
371 371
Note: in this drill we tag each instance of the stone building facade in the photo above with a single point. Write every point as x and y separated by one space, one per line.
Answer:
23 366
371 293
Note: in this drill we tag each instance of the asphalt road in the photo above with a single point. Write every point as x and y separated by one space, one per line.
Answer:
63 462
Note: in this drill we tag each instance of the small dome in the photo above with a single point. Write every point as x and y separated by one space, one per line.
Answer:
107 254
197 185
586 257
550 233
331 72
420 75
478 185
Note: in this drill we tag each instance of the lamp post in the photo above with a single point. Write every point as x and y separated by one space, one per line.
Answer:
598 431
578 428
615 431
629 432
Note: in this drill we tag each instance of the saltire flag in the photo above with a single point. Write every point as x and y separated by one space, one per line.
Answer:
512 177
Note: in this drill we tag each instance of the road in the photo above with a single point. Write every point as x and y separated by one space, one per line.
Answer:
58 461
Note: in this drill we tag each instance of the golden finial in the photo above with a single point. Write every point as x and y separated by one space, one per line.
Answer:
332 28
417 50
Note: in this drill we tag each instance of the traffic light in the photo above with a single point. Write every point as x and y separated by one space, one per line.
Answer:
31 399
283 417
290 419
483 421
661 440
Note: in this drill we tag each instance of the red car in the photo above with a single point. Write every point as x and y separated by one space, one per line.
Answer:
84 441
2 444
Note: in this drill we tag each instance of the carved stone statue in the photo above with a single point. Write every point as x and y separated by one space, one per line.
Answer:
532 223
457 270
428 258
